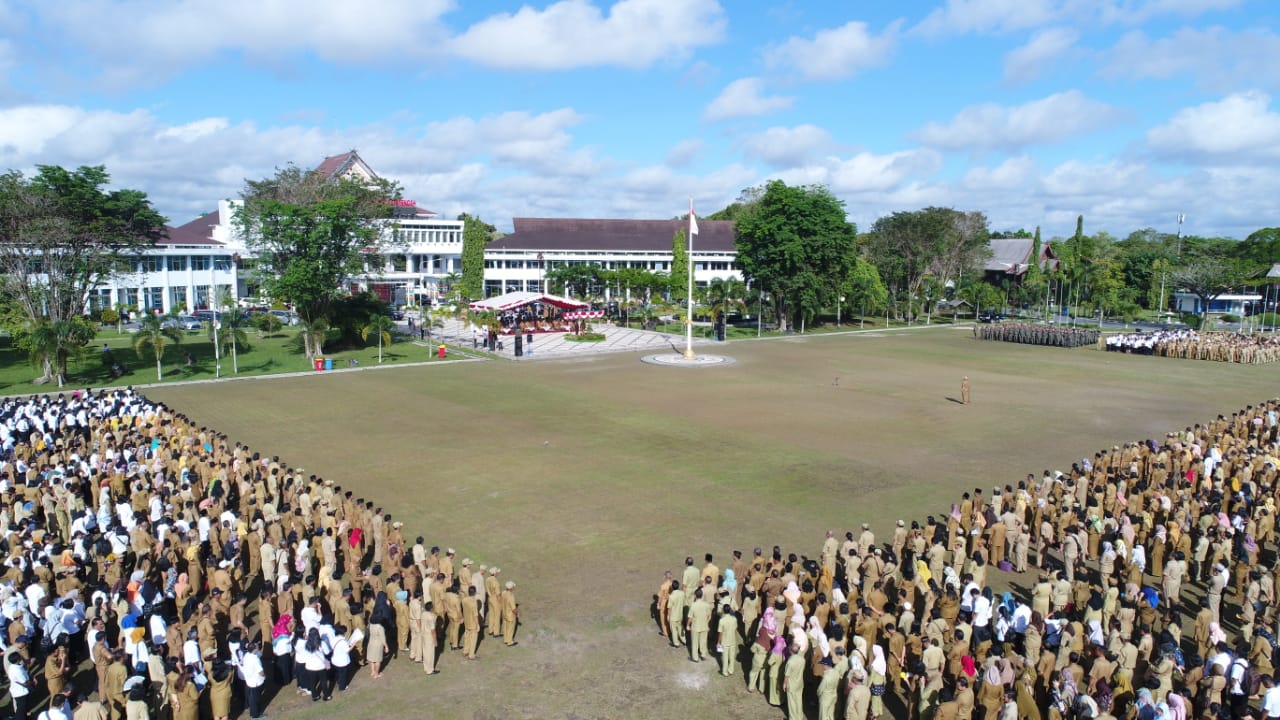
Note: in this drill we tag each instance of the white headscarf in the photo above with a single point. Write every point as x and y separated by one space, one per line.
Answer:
878 663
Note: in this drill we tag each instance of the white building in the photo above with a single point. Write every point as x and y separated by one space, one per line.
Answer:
184 271
520 261
419 248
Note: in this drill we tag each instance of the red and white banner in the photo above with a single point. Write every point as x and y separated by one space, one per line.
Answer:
584 314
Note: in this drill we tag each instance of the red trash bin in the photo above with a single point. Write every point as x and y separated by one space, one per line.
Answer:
319 363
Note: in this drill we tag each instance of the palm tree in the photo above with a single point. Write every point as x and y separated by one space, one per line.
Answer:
724 295
156 334
450 282
52 344
379 325
314 333
229 329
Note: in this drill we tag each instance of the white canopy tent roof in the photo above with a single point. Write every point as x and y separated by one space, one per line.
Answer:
524 297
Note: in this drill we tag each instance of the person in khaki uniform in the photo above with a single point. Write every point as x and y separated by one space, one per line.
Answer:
510 614
858 702
470 624
675 614
728 641
453 616
427 629
699 626
493 591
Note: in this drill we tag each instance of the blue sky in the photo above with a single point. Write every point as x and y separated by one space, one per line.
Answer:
1033 111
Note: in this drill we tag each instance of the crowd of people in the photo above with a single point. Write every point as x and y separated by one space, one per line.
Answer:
154 569
1030 334
1148 593
1248 348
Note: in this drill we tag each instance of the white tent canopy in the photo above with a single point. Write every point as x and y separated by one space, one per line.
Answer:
524 297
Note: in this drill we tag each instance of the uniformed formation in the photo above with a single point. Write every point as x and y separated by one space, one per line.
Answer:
1248 348
1129 546
184 572
1029 334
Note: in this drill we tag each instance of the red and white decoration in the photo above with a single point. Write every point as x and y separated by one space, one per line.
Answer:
584 315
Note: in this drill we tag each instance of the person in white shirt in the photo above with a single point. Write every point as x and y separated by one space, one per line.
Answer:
1270 699
20 682
341 658
254 676
316 661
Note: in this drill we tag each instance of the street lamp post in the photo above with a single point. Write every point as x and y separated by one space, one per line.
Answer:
541 289
839 302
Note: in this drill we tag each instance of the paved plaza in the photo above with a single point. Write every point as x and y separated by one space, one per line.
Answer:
548 346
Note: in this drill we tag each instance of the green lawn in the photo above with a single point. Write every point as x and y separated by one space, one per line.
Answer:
279 353
585 478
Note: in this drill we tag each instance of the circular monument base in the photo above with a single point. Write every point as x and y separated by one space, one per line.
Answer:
678 360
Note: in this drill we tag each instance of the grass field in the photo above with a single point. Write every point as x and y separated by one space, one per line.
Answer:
585 479
273 354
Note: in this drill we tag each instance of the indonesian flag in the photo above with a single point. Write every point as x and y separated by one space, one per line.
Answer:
693 220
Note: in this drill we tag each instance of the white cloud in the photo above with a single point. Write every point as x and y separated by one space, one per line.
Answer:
965 16
1026 63
1133 13
743 98
1216 57
958 17
835 53
575 33
684 152
991 126
867 172
787 146
1240 128
139 40
1014 174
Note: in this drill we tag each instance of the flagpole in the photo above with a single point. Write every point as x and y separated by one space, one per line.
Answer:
688 326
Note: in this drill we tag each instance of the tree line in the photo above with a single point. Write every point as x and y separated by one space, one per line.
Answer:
64 232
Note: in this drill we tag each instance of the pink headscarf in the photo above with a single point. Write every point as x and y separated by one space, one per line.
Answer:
282 626
1177 707
779 646
769 622
1215 634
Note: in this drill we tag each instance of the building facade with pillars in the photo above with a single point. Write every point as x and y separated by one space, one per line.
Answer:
182 273
521 260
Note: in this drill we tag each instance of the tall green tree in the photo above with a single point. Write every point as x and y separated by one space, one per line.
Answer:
154 333
62 234
908 247
476 233
1209 278
799 244
679 267
311 234
1262 247
864 291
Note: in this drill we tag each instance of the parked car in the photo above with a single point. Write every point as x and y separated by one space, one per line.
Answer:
189 323
286 317
990 316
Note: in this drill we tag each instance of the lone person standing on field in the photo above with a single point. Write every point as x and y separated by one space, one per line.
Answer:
964 390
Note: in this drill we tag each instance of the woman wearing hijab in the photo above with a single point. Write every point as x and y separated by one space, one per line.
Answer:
991 692
774 666
220 691
282 649
765 635
877 681
1157 551
379 620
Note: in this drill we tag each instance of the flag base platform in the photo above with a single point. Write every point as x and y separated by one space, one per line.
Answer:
697 361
